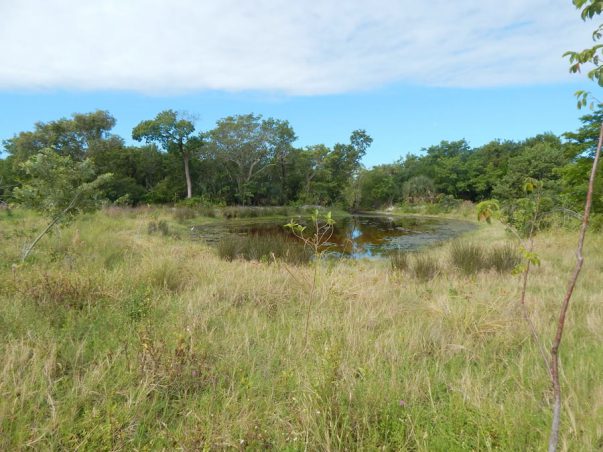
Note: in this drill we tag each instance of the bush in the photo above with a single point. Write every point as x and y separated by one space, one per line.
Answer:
261 247
596 222
425 266
503 258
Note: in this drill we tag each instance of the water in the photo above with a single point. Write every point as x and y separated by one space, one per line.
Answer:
356 236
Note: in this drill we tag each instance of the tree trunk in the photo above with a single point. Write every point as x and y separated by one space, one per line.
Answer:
284 197
55 220
189 185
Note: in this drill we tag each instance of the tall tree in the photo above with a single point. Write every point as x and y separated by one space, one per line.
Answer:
175 134
580 149
248 145
74 137
343 164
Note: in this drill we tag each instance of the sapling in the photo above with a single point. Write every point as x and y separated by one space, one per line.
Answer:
592 57
59 188
323 229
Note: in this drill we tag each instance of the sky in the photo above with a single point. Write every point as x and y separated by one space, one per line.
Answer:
410 73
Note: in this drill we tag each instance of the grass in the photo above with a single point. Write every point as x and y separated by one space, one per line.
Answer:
425 266
468 257
399 260
115 339
503 258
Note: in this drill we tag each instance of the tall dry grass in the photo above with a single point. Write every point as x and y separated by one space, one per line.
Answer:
112 338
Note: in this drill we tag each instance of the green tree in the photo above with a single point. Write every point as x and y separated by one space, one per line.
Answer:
419 189
487 165
248 145
174 133
74 137
8 180
580 150
540 161
379 187
343 164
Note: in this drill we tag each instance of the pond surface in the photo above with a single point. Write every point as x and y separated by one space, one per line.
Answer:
356 236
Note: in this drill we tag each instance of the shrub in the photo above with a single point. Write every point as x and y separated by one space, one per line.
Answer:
399 260
425 266
503 258
470 258
596 222
261 247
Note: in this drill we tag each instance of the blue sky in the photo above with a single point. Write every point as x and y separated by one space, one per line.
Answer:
410 73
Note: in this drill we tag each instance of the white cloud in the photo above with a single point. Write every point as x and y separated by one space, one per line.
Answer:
289 46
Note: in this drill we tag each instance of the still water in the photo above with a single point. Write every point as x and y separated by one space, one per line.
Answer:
356 236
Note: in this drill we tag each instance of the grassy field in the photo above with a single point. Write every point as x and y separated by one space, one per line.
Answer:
121 333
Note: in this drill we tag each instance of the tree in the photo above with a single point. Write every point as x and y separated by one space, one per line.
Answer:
419 189
282 137
540 161
580 150
7 180
174 134
487 165
74 137
379 187
58 187
343 164
248 145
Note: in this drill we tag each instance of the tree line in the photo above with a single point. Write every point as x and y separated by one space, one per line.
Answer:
251 160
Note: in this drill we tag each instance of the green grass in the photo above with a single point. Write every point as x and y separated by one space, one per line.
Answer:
468 257
503 258
115 339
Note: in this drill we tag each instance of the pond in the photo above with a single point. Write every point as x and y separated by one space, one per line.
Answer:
355 236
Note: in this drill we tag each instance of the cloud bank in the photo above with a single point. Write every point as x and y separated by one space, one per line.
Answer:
289 46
